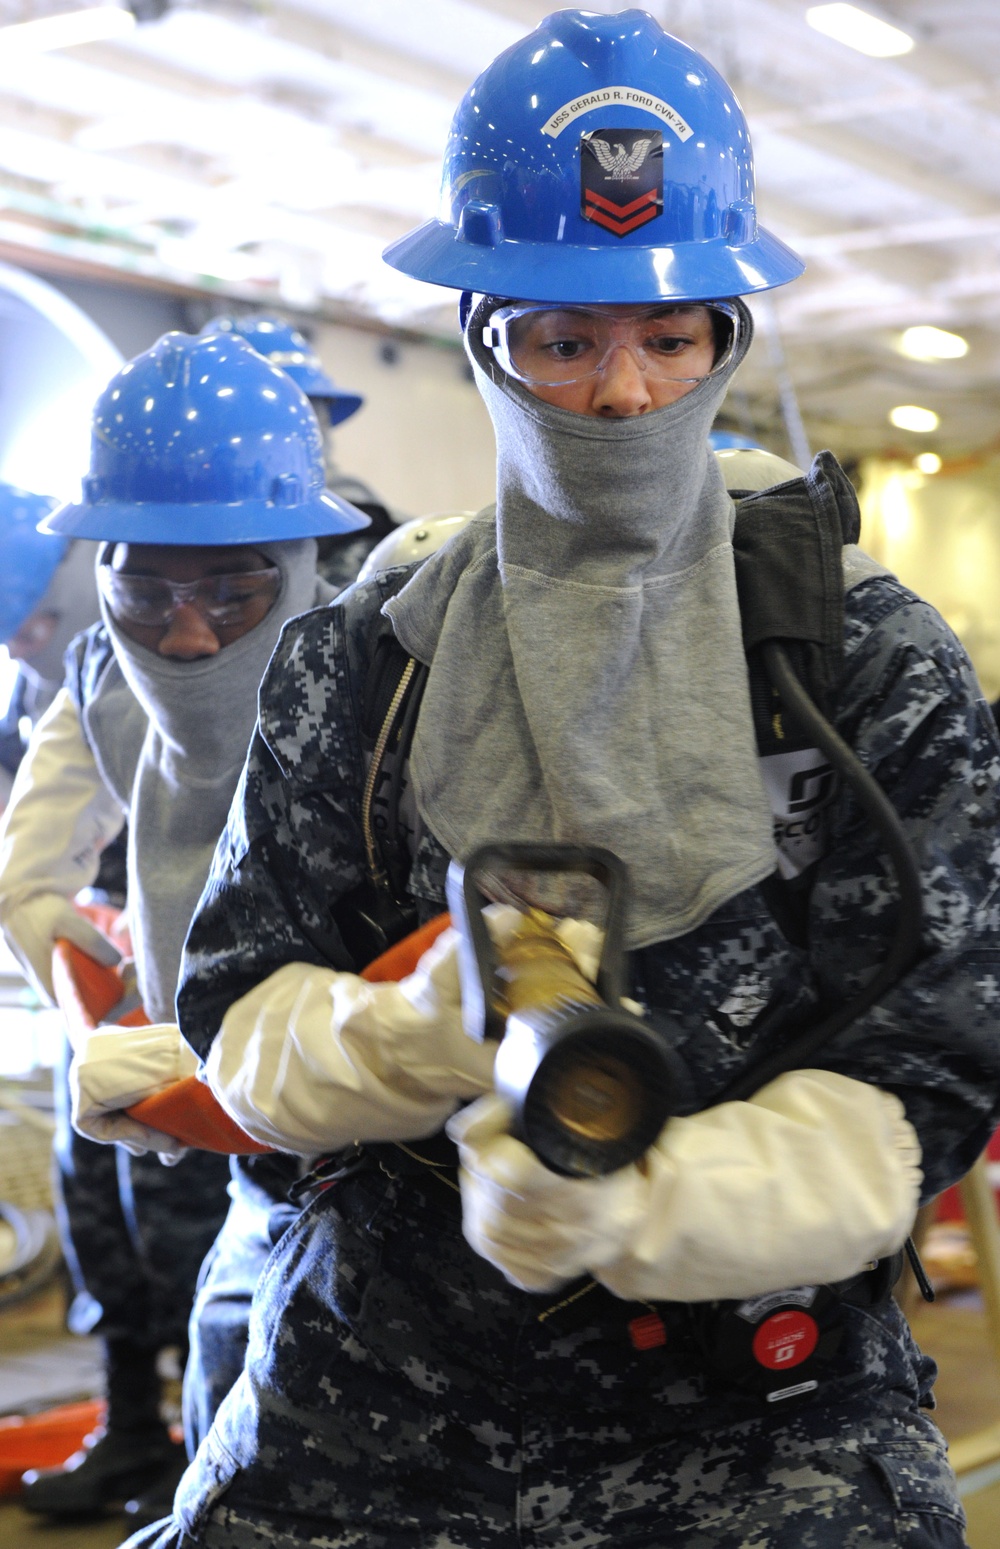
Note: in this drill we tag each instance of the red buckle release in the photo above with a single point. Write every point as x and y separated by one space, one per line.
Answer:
647 1332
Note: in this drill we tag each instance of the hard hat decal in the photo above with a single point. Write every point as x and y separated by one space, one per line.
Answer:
617 96
627 163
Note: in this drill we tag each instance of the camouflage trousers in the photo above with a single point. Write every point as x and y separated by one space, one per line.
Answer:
217 1334
133 1232
398 1394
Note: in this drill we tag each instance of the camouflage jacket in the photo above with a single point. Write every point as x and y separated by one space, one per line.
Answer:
733 989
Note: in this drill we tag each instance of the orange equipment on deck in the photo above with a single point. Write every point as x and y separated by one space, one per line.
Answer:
44 1440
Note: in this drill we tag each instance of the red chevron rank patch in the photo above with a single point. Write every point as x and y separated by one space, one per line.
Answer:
621 178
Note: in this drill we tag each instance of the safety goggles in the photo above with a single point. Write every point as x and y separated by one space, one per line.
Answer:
221 599
546 346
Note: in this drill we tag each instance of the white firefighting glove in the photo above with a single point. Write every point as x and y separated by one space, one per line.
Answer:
61 816
313 1059
813 1178
38 923
540 1229
114 1067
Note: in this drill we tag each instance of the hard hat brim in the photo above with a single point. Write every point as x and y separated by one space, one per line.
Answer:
340 405
544 271
30 562
318 386
197 524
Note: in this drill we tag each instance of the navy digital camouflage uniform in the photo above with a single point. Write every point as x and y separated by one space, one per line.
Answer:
398 1392
135 1232
217 1330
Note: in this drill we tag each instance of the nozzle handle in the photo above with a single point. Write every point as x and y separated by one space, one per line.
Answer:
477 955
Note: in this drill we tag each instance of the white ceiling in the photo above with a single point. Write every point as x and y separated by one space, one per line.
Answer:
272 149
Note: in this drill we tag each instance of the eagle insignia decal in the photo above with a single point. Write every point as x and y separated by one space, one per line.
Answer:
621 178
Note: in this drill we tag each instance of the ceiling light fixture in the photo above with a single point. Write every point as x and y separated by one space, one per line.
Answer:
859 29
194 255
926 342
927 462
63 31
909 416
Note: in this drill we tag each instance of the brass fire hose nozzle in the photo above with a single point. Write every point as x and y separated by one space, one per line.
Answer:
590 1084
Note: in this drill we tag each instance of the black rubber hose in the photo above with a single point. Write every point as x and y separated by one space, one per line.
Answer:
905 945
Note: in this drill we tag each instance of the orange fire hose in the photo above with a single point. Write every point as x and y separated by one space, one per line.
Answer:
87 994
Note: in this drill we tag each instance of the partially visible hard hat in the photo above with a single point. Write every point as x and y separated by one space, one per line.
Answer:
731 440
751 468
413 540
30 558
289 350
200 441
598 160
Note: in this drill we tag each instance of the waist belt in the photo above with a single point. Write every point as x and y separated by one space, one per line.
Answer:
437 1158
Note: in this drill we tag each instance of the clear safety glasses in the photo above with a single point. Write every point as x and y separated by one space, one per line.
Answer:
546 346
221 599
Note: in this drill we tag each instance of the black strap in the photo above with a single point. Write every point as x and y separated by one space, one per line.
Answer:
379 912
395 855
788 546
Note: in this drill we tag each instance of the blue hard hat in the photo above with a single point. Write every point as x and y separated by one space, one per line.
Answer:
291 351
598 160
29 557
731 440
200 441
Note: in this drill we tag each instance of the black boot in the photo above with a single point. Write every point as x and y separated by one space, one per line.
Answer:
124 1458
111 1467
158 1500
